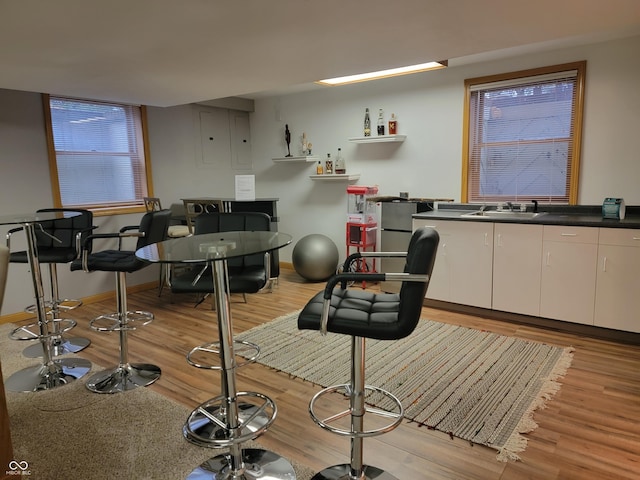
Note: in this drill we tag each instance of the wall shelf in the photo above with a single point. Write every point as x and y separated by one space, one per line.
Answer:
378 139
336 177
304 159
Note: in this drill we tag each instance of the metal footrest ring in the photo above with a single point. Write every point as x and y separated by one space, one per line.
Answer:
208 424
32 331
245 353
395 412
62 305
111 322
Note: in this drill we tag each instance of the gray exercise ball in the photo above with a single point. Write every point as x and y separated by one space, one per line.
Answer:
315 257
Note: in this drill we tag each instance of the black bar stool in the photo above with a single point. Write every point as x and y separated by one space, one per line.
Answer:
366 314
125 376
58 241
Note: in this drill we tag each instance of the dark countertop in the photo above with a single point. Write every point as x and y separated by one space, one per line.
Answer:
580 216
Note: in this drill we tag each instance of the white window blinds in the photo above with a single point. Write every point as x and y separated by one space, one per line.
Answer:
99 153
522 137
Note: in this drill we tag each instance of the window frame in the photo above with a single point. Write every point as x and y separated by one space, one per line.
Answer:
98 210
577 121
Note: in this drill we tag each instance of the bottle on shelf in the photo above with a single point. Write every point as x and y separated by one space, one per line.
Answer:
393 124
380 122
319 170
341 166
367 123
328 165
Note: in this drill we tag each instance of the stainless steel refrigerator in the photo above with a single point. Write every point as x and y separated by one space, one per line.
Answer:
395 234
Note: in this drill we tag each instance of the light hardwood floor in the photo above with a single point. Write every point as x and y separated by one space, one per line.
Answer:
589 430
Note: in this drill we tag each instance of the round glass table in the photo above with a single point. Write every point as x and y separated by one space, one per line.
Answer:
52 372
233 417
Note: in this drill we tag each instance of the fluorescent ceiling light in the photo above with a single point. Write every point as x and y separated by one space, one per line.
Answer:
363 77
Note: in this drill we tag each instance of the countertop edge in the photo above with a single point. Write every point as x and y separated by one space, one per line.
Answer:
568 219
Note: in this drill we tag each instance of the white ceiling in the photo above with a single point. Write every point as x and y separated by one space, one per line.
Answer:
170 52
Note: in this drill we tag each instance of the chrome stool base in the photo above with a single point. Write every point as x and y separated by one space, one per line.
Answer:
123 378
342 472
207 425
59 346
62 371
257 464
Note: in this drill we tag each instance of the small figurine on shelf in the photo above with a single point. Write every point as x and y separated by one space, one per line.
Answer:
309 145
287 137
305 147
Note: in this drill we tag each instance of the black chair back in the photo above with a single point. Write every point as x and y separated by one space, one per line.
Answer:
154 225
59 240
421 256
233 222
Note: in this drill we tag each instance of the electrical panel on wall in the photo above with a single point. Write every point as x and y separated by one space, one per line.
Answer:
240 136
212 137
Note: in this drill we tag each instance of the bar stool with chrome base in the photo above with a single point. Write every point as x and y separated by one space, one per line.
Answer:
58 241
366 314
52 372
125 376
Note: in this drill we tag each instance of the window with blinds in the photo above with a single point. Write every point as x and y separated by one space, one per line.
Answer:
523 136
98 153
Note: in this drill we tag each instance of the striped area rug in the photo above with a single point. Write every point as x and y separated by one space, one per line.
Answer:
471 384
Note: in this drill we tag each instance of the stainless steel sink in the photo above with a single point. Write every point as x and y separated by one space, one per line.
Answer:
488 214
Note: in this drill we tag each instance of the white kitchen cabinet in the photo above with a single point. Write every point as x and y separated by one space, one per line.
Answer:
568 281
617 302
517 268
464 263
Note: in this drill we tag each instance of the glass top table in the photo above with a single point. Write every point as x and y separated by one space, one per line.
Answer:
29 218
52 372
233 417
212 247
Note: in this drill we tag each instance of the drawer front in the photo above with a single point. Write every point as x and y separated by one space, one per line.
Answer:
560 233
624 237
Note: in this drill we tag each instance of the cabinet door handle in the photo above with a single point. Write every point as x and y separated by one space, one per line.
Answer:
604 264
500 240
636 238
548 258
486 239
568 234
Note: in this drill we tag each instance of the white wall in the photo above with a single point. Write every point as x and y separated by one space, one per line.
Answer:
427 164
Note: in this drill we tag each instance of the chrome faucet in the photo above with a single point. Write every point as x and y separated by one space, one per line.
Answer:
510 205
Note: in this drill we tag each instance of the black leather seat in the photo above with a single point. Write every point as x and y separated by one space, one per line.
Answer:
368 314
152 229
57 241
248 274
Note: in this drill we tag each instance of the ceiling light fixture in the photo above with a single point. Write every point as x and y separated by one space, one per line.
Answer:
393 72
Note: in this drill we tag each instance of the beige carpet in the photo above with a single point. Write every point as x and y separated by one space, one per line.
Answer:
476 385
70 432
